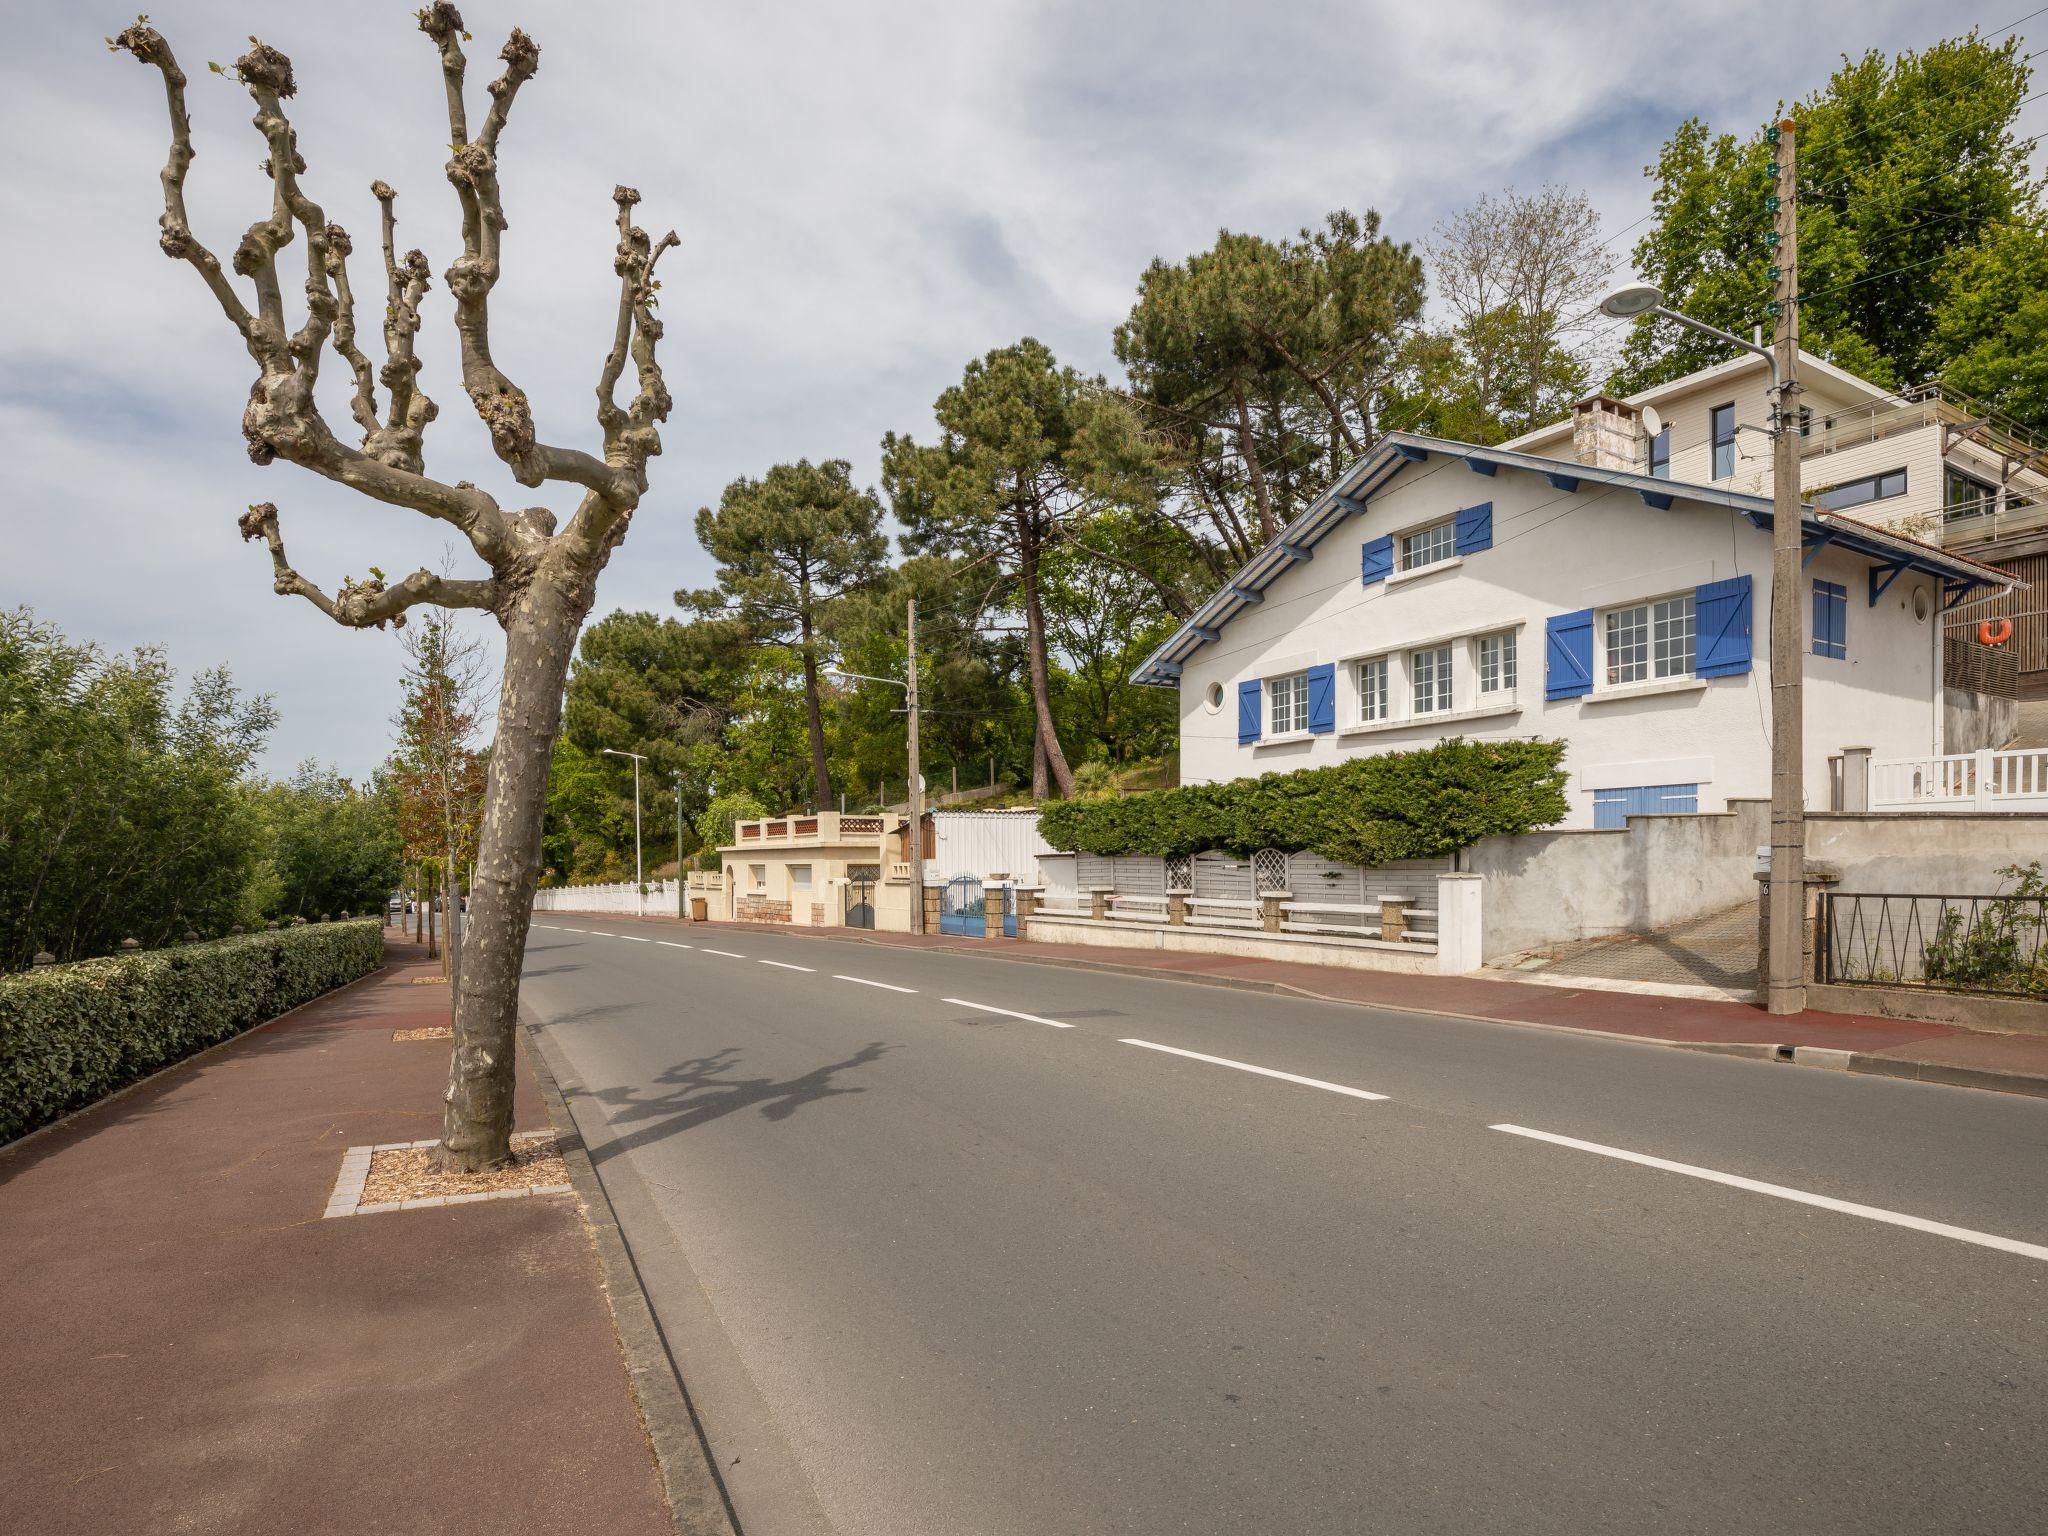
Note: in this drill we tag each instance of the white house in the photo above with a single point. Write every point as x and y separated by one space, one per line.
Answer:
1440 589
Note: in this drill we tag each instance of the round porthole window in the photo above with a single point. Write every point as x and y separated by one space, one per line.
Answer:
1923 604
1215 696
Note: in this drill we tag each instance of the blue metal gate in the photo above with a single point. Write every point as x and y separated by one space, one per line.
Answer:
960 907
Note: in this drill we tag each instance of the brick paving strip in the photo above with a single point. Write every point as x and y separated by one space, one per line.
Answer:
194 1347
1883 1047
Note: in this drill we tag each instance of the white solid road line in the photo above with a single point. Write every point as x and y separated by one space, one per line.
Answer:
862 981
672 944
729 954
784 965
1245 1066
1780 1191
1008 1013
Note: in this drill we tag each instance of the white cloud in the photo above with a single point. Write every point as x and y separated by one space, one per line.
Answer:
867 195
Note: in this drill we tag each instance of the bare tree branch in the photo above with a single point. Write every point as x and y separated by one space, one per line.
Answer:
399 445
363 406
363 604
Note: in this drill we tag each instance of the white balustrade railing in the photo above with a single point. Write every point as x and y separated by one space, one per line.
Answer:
2013 780
620 899
1137 909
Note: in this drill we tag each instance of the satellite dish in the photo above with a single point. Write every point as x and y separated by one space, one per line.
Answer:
1652 422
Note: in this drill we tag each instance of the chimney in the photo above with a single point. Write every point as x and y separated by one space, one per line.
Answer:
1606 435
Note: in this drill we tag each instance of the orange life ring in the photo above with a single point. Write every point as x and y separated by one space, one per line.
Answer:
1994 631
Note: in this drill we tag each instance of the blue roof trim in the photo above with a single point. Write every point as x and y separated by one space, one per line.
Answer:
1481 466
1661 500
1348 496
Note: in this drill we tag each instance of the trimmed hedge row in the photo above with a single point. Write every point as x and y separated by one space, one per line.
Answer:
71 1034
1370 810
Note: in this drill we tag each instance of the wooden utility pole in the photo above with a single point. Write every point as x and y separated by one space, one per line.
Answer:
916 780
1785 990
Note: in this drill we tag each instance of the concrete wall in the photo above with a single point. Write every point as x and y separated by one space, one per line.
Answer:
1971 721
1938 854
1555 887
620 899
1553 553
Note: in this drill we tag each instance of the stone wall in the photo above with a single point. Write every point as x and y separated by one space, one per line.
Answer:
759 909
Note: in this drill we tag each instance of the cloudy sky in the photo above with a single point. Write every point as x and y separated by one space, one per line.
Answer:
867 195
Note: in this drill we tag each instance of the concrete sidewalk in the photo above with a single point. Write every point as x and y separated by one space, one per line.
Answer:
1941 1053
190 1346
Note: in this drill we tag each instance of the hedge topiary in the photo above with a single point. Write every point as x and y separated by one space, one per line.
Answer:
1371 810
71 1034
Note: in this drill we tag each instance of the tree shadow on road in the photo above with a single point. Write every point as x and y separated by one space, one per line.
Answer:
702 1089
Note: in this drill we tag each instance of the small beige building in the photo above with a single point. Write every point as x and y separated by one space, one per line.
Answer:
822 870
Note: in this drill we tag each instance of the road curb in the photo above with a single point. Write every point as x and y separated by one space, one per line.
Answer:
698 1504
1825 1058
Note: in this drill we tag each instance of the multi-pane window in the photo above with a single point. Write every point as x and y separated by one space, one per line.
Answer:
1660 455
1497 663
1650 641
1963 497
1428 546
1854 493
1722 420
1372 691
1287 703
1430 671
1830 619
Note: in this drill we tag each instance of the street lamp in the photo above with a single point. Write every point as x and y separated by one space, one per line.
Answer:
908 683
1784 980
638 879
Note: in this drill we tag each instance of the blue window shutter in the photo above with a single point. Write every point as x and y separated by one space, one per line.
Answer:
1377 559
1568 655
1475 528
1322 698
1251 700
1721 610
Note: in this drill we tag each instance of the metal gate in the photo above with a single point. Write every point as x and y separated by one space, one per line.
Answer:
860 894
960 907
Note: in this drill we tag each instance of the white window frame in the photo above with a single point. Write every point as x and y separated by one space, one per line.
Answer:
1294 687
1665 622
1506 666
1442 545
759 872
1441 680
1361 675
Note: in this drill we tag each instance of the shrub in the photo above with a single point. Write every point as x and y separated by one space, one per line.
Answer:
71 1034
1371 810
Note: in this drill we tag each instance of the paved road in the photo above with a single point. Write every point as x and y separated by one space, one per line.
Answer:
934 1263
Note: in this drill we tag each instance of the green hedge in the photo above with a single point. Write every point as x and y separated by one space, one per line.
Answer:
1371 810
70 1034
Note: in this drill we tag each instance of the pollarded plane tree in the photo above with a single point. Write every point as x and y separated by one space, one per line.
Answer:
542 579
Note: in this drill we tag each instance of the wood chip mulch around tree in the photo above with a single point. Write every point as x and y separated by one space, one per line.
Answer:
404 1173
430 981
430 1032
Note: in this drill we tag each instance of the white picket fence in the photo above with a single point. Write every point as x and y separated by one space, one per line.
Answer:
2014 780
622 899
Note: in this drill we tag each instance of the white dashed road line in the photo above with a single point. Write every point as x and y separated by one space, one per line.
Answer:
1008 1013
1245 1066
635 938
784 965
729 954
862 981
1781 1192
672 944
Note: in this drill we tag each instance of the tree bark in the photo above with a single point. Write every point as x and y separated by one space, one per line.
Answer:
1248 451
540 639
821 777
1041 683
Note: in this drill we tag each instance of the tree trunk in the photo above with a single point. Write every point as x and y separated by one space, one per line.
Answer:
821 777
1041 684
540 638
1248 451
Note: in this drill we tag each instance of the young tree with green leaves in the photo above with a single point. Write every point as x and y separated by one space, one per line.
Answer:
1029 454
1906 165
791 547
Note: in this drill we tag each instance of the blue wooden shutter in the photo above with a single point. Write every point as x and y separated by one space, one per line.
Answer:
1250 703
1830 619
1475 528
1568 655
1322 698
1721 610
1376 560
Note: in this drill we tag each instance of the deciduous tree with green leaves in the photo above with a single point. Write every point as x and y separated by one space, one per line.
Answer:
790 547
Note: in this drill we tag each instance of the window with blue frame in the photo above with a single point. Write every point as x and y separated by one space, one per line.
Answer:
1830 619
1613 807
1722 420
1660 455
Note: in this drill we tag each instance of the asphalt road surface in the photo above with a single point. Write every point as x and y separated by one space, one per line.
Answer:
949 1244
